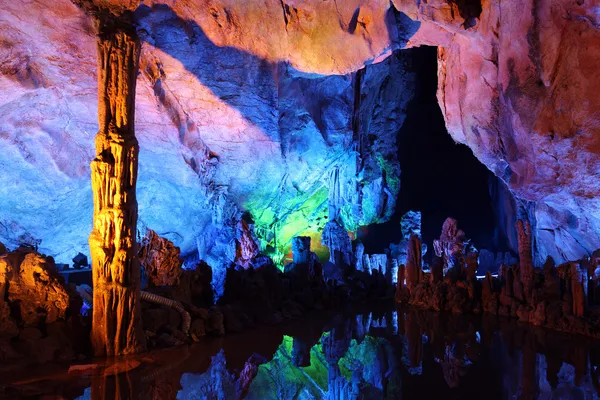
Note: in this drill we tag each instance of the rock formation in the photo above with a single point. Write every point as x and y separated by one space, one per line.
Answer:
340 247
38 312
506 102
525 256
557 298
413 263
451 246
33 284
160 259
116 325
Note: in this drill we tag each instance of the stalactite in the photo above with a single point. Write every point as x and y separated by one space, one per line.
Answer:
116 325
525 258
413 263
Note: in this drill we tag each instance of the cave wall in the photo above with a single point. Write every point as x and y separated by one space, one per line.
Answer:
232 96
518 88
222 129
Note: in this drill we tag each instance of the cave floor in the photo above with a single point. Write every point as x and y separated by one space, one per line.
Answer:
378 353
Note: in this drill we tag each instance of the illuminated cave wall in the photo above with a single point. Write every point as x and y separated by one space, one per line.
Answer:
221 131
232 96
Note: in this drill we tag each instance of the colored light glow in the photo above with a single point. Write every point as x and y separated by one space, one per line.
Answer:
308 217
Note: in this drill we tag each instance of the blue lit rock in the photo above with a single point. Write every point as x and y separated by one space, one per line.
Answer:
257 104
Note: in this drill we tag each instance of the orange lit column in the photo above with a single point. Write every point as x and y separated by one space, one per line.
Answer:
116 325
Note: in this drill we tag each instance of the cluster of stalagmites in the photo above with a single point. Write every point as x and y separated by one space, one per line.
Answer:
562 298
255 290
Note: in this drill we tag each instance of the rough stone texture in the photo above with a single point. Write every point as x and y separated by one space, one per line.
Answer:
246 247
116 326
410 224
229 110
525 256
413 263
160 259
451 245
29 281
230 102
340 247
518 89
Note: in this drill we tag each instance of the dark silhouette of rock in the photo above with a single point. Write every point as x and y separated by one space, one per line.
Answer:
80 261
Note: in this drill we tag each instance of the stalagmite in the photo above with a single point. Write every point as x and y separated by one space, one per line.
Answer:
379 262
525 257
116 325
359 252
413 263
301 249
367 264
336 238
578 289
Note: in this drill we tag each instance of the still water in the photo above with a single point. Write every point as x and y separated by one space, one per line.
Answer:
384 354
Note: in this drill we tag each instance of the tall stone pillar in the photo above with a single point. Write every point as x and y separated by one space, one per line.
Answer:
413 263
525 258
117 327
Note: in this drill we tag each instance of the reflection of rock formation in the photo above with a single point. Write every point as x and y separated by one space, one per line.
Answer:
454 366
215 383
412 356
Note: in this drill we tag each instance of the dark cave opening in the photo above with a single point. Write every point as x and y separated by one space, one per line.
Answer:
439 177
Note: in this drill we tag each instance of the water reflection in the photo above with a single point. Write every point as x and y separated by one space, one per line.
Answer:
393 354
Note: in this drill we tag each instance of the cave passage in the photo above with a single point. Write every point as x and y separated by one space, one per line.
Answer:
439 177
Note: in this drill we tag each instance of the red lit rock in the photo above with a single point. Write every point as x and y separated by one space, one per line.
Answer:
160 259
413 263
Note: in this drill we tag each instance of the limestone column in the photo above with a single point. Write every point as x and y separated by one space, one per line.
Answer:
413 263
116 325
525 258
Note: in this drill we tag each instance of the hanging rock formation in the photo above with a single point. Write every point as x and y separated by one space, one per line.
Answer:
340 247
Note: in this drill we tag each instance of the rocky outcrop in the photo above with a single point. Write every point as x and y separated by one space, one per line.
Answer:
30 281
451 245
160 259
38 312
340 247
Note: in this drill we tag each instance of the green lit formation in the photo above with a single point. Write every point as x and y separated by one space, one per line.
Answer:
364 367
303 215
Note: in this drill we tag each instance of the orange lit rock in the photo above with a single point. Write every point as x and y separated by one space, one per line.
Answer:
116 326
29 280
160 259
